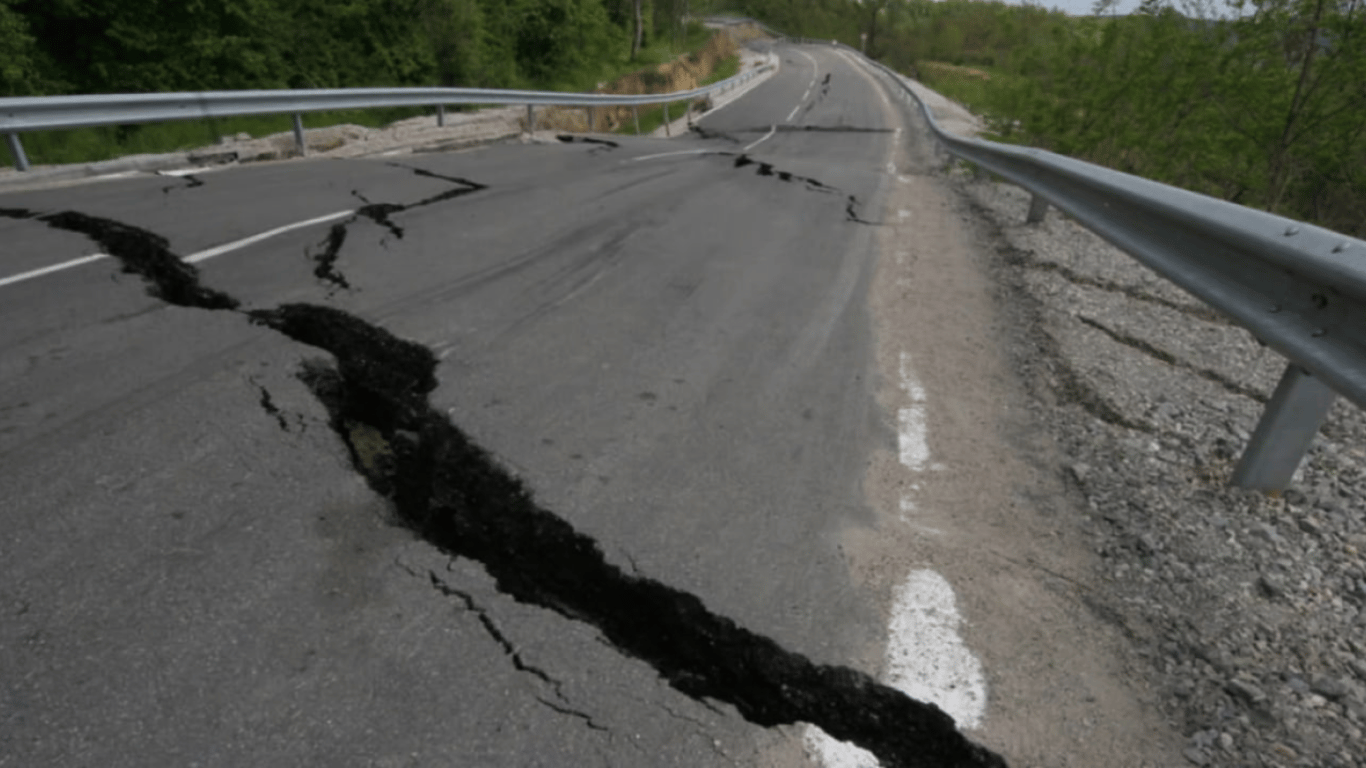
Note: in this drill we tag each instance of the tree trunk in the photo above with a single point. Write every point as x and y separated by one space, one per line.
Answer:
635 41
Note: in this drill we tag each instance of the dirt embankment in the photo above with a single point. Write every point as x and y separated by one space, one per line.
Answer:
682 74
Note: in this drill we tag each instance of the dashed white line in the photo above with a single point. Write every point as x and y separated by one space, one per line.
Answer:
926 658
815 72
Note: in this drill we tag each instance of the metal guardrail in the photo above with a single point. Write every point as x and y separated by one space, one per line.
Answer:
38 113
1299 288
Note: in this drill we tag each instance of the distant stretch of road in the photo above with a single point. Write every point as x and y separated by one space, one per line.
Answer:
265 514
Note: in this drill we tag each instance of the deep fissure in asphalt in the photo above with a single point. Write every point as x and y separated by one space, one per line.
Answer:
453 494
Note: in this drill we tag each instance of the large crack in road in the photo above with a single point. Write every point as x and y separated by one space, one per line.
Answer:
451 493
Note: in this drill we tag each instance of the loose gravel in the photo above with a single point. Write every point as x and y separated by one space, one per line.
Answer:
1249 609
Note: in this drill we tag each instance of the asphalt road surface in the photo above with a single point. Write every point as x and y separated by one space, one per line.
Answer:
198 564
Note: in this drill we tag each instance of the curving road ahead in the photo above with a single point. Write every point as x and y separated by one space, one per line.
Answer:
667 341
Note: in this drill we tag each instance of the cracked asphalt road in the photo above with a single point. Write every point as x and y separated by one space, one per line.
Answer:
192 568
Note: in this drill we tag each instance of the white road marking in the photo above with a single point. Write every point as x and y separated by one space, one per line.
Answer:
926 660
815 72
925 656
19 278
186 171
679 152
193 258
772 130
219 250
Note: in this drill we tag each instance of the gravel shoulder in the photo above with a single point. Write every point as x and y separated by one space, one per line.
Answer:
1246 611
1242 613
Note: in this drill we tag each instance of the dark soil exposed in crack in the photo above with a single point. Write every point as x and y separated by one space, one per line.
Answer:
767 169
452 494
191 181
142 253
707 133
268 405
326 259
569 138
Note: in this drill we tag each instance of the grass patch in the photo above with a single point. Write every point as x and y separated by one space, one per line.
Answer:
726 68
88 145
985 91
653 117
663 49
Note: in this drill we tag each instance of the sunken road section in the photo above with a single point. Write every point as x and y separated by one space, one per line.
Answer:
454 495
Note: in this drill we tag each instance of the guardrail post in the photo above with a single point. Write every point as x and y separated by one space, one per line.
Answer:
530 118
592 119
635 115
1292 418
16 149
299 134
440 115
1037 208
666 118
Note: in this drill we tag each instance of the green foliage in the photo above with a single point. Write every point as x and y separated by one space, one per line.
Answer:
109 46
1264 105
93 144
104 46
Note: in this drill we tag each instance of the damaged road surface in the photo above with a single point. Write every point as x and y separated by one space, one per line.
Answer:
532 455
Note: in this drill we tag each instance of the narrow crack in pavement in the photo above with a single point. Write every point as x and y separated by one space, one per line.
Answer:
566 710
191 181
268 405
708 133
325 259
454 495
569 138
768 169
494 631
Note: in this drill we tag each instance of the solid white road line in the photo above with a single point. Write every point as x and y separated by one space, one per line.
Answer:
678 152
19 278
193 258
219 250
772 130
